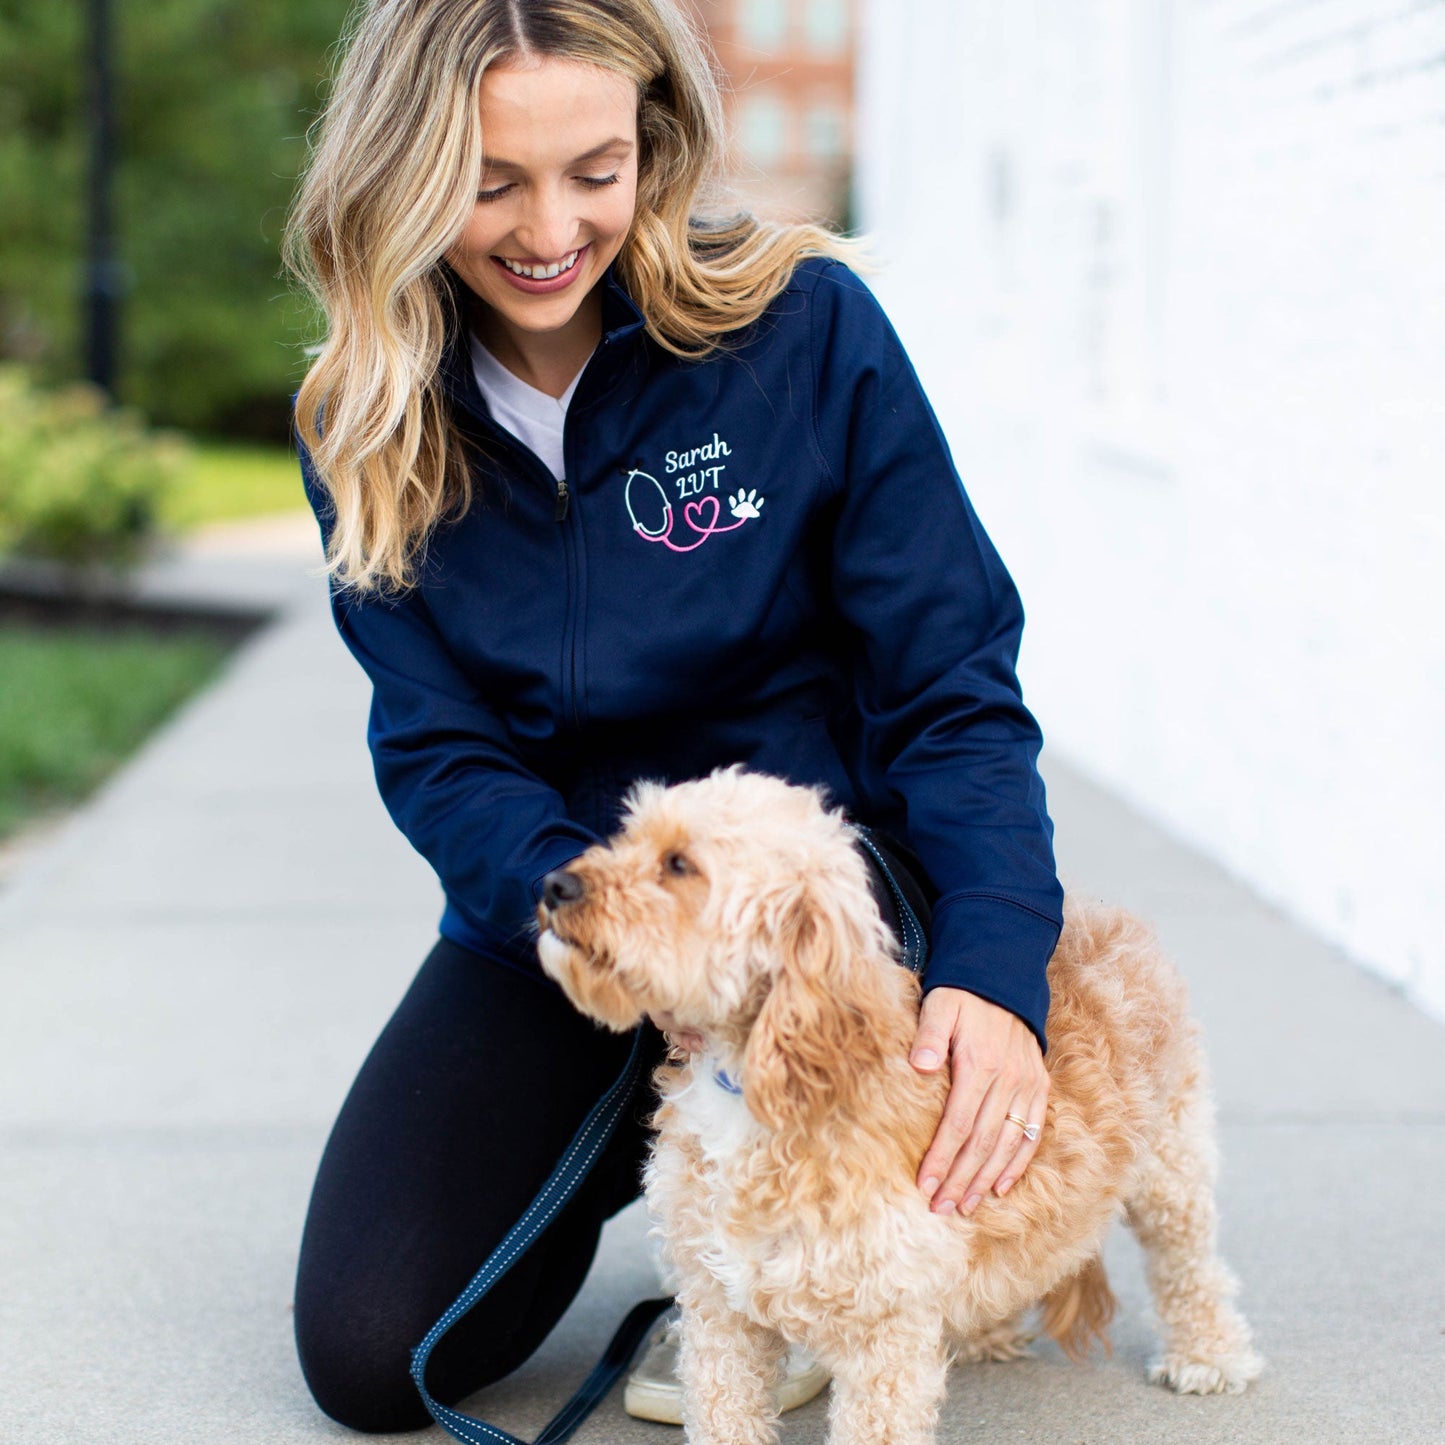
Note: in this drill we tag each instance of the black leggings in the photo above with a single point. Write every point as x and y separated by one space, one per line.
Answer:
464 1105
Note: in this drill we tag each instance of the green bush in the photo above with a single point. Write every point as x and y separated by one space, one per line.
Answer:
79 483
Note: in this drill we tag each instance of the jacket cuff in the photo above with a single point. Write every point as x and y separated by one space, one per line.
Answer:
997 949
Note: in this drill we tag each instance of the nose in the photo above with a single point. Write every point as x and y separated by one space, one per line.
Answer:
549 230
560 886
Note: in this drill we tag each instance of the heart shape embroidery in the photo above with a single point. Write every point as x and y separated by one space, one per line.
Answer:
694 511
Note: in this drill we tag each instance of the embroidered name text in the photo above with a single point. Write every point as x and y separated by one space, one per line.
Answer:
717 447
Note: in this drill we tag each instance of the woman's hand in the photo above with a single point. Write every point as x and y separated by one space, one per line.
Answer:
998 1070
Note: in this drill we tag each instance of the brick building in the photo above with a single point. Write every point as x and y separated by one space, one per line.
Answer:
789 71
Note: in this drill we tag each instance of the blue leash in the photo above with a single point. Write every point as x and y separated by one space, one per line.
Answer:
915 937
561 1184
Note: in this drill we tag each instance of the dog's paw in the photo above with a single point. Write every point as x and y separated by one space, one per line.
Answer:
1226 1376
1001 1343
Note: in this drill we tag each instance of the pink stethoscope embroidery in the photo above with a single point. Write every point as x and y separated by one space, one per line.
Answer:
701 516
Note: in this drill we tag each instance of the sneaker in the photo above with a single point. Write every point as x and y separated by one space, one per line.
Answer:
653 1391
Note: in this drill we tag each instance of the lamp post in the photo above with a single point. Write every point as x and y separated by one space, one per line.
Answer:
104 276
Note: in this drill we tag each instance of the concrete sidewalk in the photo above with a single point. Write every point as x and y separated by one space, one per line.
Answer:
194 965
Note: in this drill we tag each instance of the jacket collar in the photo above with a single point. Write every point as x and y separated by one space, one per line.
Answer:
620 315
622 326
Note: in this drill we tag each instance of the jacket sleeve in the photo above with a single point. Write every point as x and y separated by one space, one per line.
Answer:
936 623
445 765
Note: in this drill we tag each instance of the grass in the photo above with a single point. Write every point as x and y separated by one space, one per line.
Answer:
229 482
76 704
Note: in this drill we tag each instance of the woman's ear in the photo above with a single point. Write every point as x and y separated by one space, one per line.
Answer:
821 1021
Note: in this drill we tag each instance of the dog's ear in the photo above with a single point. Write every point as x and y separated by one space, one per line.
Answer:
823 1017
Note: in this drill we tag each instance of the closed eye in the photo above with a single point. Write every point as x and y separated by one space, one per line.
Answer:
594 183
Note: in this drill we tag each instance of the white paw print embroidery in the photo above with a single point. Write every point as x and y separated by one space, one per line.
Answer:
744 505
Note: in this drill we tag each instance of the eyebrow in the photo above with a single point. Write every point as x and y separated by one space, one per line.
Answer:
495 163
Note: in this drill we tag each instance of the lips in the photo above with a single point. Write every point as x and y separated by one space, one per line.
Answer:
535 285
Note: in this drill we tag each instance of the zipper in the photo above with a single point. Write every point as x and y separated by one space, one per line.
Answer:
571 623
573 628
570 668
572 540
530 462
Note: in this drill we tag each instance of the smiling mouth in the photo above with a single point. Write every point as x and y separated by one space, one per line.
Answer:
541 271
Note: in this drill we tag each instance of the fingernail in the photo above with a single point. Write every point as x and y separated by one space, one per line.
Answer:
945 1206
930 1187
1005 1187
970 1204
925 1059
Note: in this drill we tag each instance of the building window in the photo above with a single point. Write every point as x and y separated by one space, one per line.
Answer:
764 23
825 132
763 128
825 24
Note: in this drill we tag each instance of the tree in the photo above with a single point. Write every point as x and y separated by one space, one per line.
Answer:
214 100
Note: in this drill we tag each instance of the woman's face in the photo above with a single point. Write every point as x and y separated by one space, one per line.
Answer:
558 191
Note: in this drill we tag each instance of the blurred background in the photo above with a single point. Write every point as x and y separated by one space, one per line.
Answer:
1170 271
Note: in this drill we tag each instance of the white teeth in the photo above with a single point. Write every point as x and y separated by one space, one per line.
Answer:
542 273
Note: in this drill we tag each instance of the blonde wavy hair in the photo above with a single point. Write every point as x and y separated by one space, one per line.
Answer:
393 173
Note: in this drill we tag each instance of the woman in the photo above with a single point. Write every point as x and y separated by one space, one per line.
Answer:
608 492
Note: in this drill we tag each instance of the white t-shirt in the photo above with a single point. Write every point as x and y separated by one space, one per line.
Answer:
531 416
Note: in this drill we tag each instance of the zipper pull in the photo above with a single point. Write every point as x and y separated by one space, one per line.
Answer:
563 497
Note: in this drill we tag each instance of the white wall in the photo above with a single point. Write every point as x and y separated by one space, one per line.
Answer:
1173 272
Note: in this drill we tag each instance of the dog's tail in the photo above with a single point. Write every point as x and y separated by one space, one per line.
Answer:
1077 1311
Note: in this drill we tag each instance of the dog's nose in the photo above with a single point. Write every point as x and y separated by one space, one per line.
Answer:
560 886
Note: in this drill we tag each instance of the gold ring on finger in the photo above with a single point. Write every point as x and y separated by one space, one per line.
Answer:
1031 1131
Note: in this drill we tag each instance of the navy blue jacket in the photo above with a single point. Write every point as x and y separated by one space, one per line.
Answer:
764 557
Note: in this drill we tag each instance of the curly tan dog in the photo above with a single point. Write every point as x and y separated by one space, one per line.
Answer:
741 908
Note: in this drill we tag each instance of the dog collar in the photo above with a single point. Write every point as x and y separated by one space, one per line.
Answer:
725 1081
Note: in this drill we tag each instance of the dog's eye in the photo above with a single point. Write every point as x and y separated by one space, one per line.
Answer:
678 865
